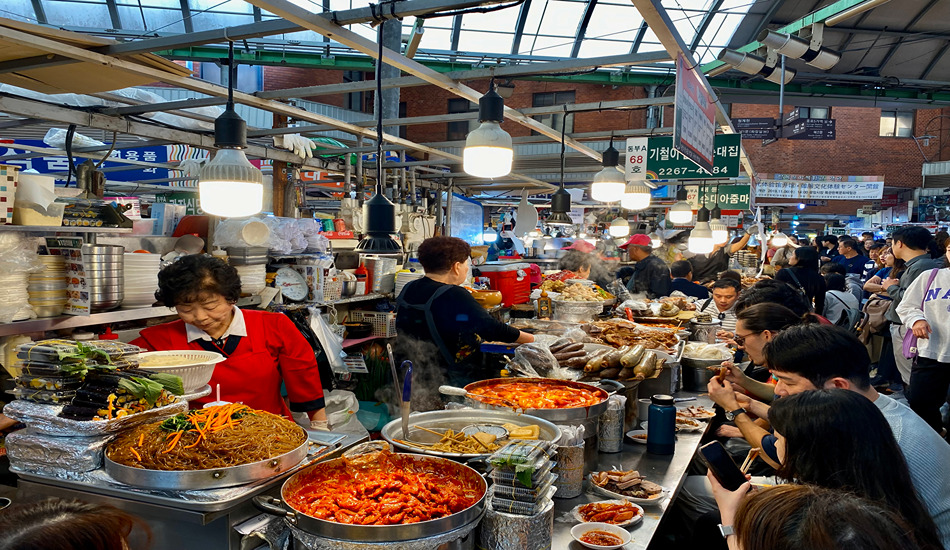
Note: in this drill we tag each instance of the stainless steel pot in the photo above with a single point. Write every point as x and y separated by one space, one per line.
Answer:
184 480
377 533
572 415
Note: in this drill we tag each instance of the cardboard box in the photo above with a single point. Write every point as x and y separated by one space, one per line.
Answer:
166 217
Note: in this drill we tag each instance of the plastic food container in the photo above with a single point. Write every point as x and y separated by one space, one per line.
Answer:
522 494
48 382
44 396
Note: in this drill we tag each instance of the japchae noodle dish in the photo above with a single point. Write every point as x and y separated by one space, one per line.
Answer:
383 488
215 437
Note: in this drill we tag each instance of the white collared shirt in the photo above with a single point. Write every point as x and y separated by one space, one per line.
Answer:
236 328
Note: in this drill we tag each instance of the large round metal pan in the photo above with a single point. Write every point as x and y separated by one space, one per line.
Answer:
184 480
455 420
569 414
381 533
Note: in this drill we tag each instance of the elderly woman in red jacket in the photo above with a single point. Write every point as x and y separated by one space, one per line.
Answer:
263 349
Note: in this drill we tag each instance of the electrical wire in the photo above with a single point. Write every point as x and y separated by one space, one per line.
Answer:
379 111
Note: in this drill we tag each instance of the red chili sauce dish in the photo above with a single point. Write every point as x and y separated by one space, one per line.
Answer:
601 538
539 395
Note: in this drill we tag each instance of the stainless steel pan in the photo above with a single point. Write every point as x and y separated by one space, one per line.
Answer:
571 415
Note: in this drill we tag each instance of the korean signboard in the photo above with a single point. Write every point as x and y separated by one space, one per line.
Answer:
656 159
729 197
797 187
694 126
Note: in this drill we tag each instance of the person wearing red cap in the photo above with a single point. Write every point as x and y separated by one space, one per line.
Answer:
651 275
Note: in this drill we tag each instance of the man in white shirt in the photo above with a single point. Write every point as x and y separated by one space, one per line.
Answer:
722 305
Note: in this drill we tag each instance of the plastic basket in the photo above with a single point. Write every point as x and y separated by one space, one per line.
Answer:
332 290
384 322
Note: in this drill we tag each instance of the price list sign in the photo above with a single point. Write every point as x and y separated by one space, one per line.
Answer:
694 112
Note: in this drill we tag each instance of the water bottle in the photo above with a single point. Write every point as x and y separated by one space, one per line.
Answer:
661 430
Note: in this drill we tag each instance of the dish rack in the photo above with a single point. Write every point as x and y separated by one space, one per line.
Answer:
384 322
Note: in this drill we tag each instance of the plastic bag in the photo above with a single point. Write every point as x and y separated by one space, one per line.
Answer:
342 407
538 356
56 137
331 342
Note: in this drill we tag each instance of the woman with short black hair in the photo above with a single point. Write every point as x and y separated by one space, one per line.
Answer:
802 273
68 525
439 323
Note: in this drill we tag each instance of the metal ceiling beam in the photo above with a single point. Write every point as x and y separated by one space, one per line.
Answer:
659 20
114 14
519 27
166 106
582 27
456 33
502 71
196 85
601 135
19 123
635 47
292 12
917 18
39 11
64 115
936 59
704 24
753 23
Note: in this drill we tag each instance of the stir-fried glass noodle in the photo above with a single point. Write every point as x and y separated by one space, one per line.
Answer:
216 437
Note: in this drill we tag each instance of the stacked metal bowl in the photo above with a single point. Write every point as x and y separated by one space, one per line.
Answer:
103 265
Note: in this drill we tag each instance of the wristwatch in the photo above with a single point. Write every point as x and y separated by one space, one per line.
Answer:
731 415
726 530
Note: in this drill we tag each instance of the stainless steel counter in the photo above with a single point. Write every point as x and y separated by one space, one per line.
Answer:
668 471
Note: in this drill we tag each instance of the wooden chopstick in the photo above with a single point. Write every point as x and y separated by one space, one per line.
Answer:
749 459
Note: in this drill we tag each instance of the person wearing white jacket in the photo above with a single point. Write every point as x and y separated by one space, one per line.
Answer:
930 374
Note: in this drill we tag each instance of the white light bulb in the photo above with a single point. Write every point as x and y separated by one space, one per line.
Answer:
701 239
779 239
655 240
720 232
490 235
488 151
636 197
230 186
608 185
681 213
619 228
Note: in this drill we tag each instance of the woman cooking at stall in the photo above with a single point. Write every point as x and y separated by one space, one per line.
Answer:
439 324
263 349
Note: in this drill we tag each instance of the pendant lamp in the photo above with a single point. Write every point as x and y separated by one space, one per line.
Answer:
609 183
379 213
229 185
489 235
681 213
488 151
636 196
701 237
561 199
655 240
619 227
779 239
719 230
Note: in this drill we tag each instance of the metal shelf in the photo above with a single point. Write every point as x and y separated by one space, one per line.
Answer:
62 229
106 317
352 299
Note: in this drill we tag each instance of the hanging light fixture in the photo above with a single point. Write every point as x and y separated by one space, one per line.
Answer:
636 196
719 230
379 213
779 239
609 183
655 240
561 199
229 185
489 235
681 213
619 227
701 237
488 151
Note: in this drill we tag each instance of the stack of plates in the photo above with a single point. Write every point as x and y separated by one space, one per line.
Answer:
253 278
103 264
140 279
47 288
255 255
403 277
13 295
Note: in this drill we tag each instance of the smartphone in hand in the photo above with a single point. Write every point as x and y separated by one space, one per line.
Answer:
722 466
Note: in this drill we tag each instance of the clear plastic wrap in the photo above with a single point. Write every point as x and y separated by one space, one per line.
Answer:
30 450
43 419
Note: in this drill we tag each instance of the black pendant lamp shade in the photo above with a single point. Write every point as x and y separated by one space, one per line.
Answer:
230 130
560 206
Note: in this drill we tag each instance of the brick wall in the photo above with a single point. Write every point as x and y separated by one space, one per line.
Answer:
279 78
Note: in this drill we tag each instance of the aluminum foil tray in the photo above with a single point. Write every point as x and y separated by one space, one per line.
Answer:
43 419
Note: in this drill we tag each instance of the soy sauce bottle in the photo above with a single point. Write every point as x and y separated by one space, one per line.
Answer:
661 430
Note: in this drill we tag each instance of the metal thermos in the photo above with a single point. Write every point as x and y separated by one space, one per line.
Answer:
703 328
661 430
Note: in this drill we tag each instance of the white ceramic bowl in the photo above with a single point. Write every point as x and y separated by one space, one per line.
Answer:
579 530
194 367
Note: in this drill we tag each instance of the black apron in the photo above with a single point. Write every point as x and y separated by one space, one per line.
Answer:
426 309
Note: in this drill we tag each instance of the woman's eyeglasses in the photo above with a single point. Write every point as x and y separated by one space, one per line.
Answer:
740 340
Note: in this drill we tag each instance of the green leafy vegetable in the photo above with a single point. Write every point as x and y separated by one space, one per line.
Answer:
142 388
171 382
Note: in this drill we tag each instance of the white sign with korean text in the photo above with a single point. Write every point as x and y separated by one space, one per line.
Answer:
694 127
635 168
848 188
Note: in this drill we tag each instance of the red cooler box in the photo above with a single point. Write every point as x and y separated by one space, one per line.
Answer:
511 278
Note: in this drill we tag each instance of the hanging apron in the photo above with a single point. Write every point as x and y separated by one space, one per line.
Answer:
426 309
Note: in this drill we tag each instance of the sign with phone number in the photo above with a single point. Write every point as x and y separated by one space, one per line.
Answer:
655 158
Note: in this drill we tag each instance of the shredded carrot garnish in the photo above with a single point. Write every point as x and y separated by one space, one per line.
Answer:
137 455
174 442
141 440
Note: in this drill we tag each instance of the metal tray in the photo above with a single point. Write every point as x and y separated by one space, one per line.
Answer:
206 479
456 420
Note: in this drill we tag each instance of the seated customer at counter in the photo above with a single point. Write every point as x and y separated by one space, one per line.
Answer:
263 349
439 323
682 273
